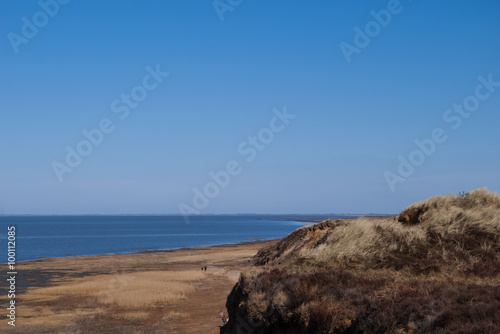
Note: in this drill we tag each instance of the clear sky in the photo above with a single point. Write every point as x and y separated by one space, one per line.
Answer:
340 153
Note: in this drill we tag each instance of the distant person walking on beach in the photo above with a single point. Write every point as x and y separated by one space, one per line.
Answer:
223 318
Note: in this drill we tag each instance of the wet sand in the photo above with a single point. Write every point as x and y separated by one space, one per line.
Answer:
160 292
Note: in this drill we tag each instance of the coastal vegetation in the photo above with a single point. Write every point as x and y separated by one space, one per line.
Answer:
432 269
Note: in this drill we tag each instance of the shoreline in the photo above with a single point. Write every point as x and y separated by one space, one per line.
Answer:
145 251
115 244
37 277
169 250
233 244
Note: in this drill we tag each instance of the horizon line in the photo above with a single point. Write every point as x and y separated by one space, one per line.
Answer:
193 215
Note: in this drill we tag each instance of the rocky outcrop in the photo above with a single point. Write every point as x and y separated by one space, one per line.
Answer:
411 216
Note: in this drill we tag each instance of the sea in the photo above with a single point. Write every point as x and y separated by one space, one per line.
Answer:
39 237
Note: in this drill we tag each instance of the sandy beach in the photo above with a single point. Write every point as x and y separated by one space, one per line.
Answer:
151 292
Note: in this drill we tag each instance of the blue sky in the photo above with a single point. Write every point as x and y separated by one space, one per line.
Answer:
353 119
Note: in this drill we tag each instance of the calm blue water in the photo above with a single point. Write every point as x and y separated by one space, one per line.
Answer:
62 236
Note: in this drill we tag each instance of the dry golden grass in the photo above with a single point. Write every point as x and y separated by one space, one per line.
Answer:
132 316
134 290
43 316
173 315
461 233
361 241
478 209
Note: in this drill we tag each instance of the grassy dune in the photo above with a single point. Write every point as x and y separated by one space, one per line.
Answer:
433 269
